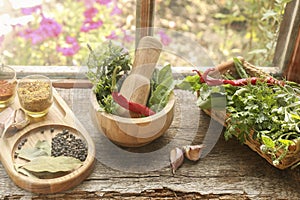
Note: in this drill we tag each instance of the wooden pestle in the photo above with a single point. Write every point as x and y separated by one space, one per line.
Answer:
136 87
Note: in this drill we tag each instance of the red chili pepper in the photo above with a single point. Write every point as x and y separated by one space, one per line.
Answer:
199 74
132 106
239 82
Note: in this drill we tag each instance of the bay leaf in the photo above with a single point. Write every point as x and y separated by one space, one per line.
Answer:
44 145
31 153
41 148
52 164
25 172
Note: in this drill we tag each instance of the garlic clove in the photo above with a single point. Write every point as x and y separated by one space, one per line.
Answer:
17 121
193 152
21 119
176 158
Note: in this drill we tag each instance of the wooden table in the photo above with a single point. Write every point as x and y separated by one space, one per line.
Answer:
229 171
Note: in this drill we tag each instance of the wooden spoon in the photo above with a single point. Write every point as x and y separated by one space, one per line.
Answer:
136 87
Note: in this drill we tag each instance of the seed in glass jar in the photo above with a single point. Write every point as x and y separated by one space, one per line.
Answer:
42 131
52 130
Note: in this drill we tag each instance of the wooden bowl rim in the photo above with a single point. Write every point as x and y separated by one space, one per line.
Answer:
126 120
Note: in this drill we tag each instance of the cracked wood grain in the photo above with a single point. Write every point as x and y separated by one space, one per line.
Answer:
230 171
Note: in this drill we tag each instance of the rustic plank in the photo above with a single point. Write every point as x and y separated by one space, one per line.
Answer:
229 171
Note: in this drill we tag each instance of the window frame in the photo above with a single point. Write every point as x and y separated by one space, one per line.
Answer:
286 59
287 49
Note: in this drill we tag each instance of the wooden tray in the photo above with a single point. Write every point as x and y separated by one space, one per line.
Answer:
293 155
59 117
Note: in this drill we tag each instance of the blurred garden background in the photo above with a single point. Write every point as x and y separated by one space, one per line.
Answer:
56 32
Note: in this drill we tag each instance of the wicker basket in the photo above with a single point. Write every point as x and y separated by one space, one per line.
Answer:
293 156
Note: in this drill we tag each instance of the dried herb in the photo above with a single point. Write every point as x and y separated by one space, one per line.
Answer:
42 148
35 96
52 164
7 90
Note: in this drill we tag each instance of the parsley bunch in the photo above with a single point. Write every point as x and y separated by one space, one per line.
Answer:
105 62
271 112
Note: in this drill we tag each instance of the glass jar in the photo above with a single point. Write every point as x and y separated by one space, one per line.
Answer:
8 84
35 95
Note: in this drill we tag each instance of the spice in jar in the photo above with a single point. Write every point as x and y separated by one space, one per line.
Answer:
35 95
7 89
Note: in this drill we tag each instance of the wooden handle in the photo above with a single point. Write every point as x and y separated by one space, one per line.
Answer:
136 87
223 67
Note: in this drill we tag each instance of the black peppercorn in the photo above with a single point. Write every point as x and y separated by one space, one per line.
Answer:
67 144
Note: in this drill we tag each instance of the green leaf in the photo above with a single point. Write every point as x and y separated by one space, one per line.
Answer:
269 14
286 142
191 83
268 141
52 164
160 90
295 116
164 73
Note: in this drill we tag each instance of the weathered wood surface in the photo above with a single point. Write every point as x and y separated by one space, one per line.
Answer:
229 171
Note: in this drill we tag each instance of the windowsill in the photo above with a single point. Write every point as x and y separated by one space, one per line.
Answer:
76 72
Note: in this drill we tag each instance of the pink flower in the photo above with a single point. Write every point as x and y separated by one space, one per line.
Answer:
165 39
91 12
28 11
103 2
112 36
88 3
89 25
71 50
71 40
116 11
48 28
127 38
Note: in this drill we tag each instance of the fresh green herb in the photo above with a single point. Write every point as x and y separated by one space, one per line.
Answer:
191 83
162 84
102 62
269 113
109 65
240 68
